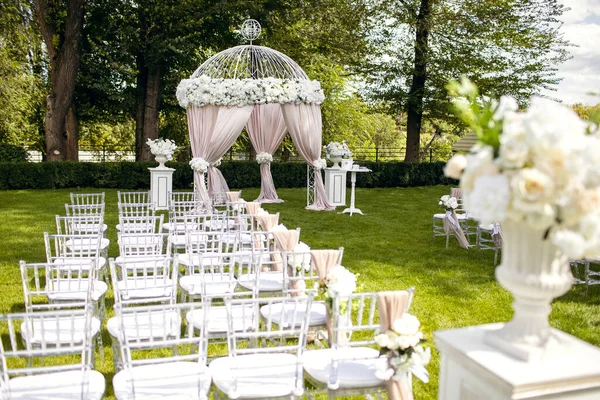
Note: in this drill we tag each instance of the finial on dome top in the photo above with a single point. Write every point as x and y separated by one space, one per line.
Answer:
250 30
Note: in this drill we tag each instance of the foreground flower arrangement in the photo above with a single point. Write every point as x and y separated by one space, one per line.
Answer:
162 147
205 90
539 167
403 347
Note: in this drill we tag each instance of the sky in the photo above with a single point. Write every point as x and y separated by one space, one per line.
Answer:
581 74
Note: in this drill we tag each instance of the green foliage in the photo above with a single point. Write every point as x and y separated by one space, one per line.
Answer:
239 174
13 153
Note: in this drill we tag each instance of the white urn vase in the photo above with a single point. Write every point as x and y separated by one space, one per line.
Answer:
161 159
336 160
535 272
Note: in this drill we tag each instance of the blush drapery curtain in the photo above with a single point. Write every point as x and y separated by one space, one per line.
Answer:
213 130
305 126
391 307
266 129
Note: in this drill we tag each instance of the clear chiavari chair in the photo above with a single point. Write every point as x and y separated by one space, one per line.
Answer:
84 199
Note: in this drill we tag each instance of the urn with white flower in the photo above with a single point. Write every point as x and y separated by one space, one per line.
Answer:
536 174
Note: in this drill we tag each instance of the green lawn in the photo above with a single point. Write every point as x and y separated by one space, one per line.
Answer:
390 247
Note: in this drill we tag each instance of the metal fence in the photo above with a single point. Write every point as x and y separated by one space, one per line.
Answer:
127 153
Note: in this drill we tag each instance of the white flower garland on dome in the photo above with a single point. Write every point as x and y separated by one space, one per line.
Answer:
199 164
241 92
263 158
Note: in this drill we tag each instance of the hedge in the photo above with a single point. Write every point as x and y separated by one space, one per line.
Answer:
13 153
239 174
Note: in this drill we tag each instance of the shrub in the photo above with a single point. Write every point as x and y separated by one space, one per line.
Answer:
239 175
12 153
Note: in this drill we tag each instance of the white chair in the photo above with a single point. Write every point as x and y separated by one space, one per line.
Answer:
140 225
136 209
60 372
348 367
84 210
89 225
438 225
64 283
177 370
138 246
485 239
75 250
133 197
84 199
182 197
273 370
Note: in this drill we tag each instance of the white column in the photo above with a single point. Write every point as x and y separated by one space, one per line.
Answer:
471 369
161 183
335 186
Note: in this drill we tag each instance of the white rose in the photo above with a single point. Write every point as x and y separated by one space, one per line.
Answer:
479 162
507 104
382 340
589 227
532 186
384 375
404 342
514 151
489 199
408 324
570 243
455 166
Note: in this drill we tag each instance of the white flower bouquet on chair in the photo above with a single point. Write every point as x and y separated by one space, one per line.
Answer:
448 202
403 347
163 150
263 158
536 172
335 152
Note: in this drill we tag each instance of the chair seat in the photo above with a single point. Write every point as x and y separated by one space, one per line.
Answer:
259 376
70 289
283 314
461 217
177 241
145 287
57 385
267 282
79 262
244 319
174 380
135 228
57 330
140 262
216 284
86 245
356 367
143 326
85 227
178 226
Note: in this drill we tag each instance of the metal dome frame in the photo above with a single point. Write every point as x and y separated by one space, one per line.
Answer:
250 61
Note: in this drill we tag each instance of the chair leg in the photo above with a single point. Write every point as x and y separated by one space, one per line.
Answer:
447 240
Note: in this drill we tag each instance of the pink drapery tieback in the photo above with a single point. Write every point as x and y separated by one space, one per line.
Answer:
451 225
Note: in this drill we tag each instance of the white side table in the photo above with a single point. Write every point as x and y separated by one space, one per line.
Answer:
335 186
352 209
161 183
471 369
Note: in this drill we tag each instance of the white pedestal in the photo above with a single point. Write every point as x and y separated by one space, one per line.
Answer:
161 183
335 186
471 369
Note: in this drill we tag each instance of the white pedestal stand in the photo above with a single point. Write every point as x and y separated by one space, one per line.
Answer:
471 369
352 209
161 183
335 186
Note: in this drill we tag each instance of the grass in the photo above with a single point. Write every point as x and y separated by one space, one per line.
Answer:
390 247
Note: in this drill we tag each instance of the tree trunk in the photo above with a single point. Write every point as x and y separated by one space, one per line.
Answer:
142 78
72 145
414 106
64 53
150 114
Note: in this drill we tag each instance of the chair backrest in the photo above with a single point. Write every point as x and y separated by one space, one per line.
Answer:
144 245
46 356
300 274
83 199
149 280
61 249
86 209
273 334
178 197
358 313
141 224
179 342
57 282
136 209
133 197
80 225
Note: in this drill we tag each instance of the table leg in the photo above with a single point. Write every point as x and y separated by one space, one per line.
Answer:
352 209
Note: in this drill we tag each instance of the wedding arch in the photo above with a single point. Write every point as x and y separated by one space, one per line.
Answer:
268 93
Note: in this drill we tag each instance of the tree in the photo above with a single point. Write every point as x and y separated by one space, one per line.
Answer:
61 26
503 46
